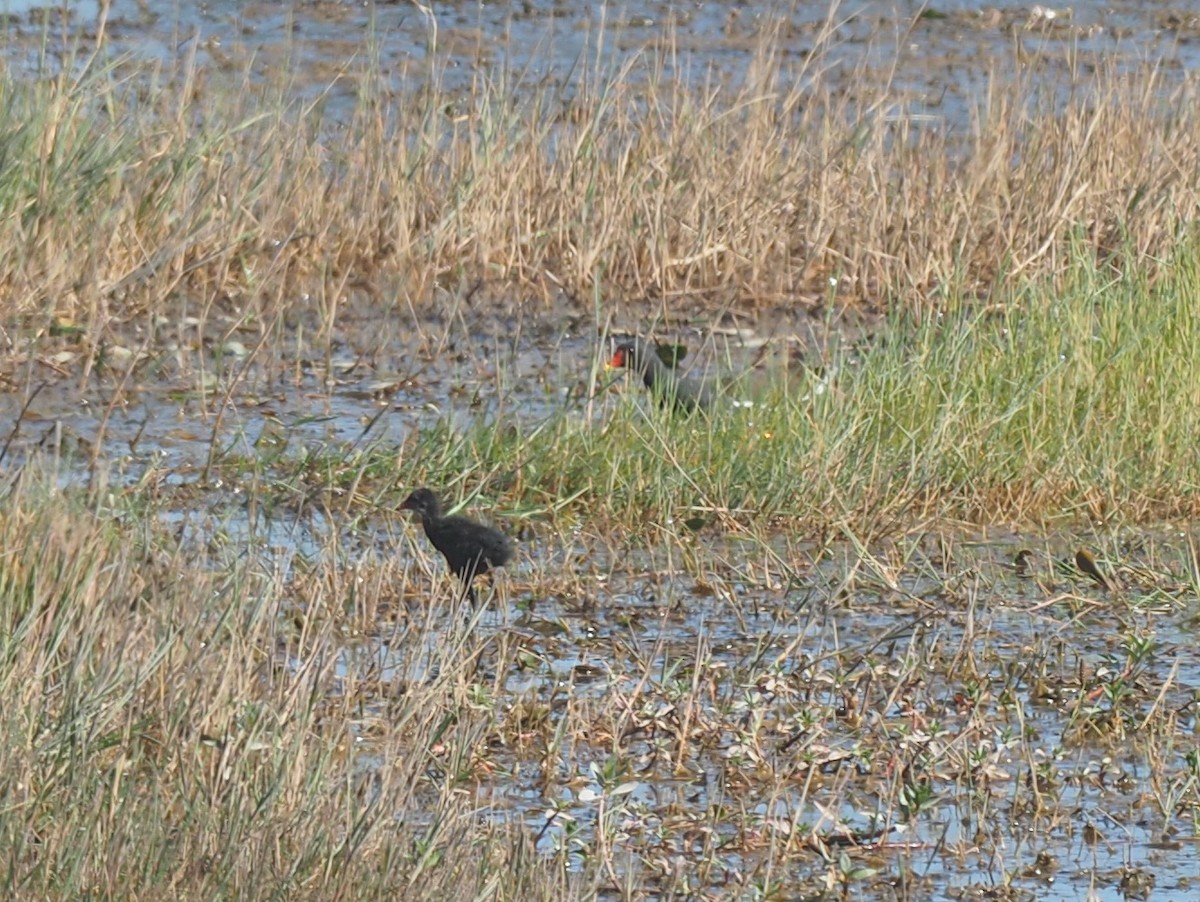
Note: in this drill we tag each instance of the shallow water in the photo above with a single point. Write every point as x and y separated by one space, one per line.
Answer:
773 740
938 57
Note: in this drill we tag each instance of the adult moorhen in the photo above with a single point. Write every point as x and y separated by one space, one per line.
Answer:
669 388
470 548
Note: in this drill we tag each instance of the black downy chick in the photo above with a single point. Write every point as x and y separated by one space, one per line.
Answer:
471 549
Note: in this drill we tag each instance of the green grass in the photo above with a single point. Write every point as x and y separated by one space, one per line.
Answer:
1077 399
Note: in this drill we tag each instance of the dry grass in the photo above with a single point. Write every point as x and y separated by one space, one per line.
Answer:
194 728
723 719
222 195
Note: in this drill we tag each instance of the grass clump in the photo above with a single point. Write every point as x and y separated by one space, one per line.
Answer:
1055 400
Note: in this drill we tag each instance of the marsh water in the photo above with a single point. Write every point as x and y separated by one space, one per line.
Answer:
162 411
938 57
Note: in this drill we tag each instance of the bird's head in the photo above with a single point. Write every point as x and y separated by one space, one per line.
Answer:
630 354
423 502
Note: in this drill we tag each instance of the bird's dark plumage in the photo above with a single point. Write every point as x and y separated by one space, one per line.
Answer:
470 548
668 387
